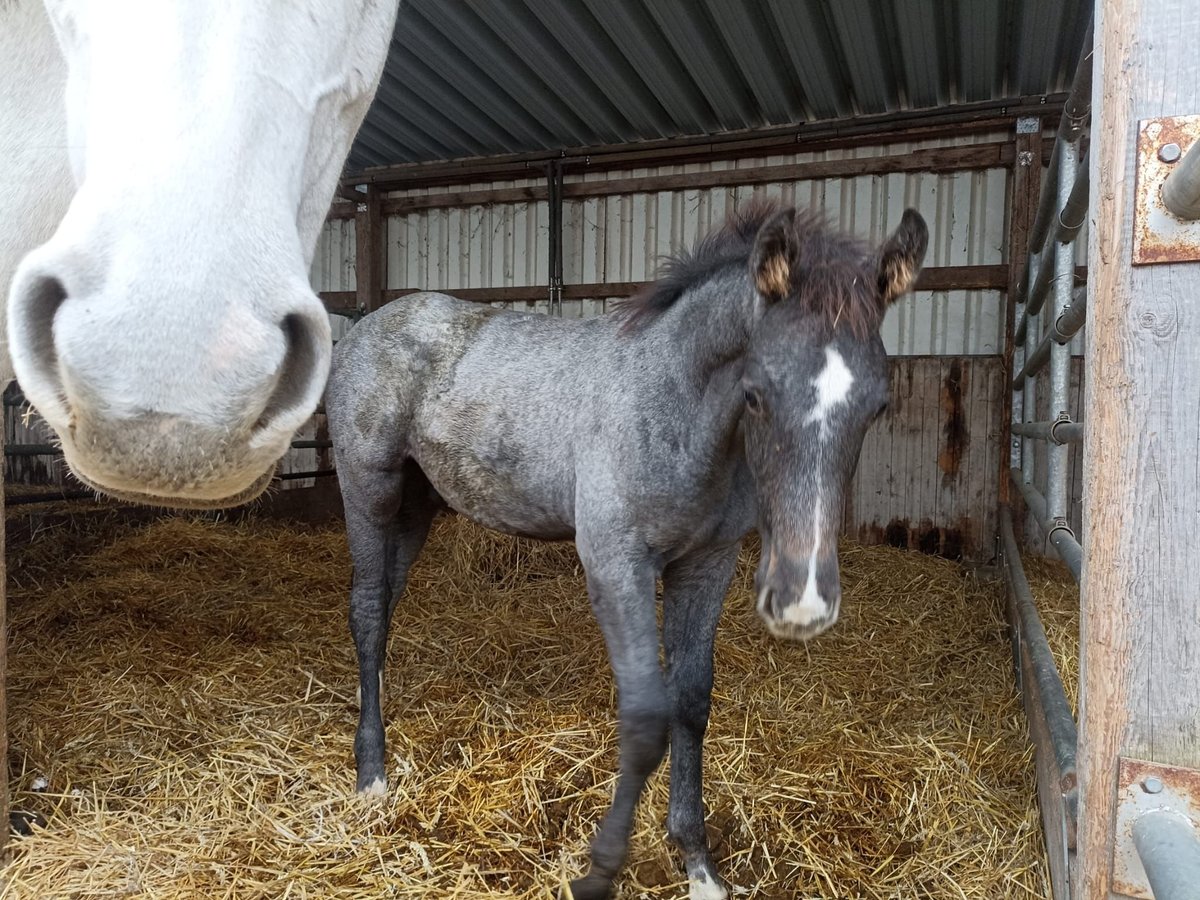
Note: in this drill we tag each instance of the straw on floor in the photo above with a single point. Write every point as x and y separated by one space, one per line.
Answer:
182 714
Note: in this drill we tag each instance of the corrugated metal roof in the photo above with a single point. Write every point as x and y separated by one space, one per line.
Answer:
486 77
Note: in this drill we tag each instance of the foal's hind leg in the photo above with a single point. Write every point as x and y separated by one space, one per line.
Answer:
387 526
693 592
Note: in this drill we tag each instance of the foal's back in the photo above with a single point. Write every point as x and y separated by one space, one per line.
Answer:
494 406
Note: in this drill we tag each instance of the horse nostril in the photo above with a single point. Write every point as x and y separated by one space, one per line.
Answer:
36 299
302 373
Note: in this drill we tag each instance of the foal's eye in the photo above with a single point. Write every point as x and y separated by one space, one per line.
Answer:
753 400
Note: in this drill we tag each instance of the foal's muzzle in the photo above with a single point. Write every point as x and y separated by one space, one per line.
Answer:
798 599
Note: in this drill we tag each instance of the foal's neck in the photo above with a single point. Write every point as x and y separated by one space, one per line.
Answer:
698 347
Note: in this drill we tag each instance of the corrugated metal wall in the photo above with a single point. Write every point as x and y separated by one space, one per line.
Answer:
623 238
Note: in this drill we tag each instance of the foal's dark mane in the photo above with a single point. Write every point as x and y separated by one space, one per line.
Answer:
831 272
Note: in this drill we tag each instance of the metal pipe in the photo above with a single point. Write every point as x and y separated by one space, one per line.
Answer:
1028 402
1060 723
1059 431
1063 233
1058 532
554 183
1041 284
1072 318
1074 213
1078 107
1062 539
1041 221
1169 848
1017 447
1065 327
1067 432
319 473
32 450
30 499
1181 190
558 258
1019 333
1033 365
1070 126
1039 430
1058 481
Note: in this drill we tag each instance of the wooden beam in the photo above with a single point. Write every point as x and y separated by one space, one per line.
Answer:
876 130
940 278
1024 192
4 810
937 159
1140 630
369 236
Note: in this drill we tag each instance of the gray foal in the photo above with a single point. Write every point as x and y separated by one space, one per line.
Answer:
733 394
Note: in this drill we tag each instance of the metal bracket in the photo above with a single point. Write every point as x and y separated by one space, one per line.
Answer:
1053 525
1159 236
1063 418
1144 787
1028 125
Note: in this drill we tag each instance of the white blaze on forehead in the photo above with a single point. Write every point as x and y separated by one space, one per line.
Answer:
833 387
811 607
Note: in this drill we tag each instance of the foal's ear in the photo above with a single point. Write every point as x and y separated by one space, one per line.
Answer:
770 262
901 257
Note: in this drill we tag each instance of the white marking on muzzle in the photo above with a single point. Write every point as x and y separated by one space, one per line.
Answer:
833 387
811 607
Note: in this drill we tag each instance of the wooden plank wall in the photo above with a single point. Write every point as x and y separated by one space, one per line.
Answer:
928 475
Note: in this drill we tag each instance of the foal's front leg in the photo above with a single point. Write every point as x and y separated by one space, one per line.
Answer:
622 595
694 591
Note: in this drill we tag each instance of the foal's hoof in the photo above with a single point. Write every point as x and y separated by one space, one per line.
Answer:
589 887
373 789
706 887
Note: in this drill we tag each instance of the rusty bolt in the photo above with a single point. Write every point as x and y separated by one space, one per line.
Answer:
1169 153
1152 785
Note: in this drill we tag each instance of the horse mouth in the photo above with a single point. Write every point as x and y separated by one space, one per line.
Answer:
791 621
168 501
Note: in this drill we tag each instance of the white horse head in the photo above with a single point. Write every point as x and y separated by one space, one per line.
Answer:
167 330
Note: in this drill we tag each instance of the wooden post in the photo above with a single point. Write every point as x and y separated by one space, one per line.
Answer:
369 237
3 653
1024 191
1140 625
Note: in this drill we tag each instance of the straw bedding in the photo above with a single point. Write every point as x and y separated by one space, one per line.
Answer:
1057 598
182 714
